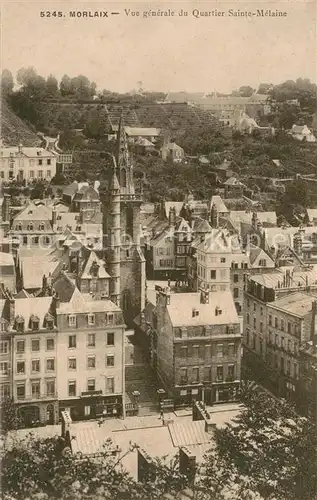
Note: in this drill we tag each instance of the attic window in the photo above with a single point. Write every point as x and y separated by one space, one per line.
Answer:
30 227
41 226
218 311
195 313
20 324
34 322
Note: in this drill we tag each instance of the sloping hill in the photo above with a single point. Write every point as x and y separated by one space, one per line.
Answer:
14 130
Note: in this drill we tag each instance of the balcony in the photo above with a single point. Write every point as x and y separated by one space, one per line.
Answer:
88 394
37 397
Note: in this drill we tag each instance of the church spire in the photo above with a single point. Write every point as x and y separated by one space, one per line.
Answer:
114 237
124 164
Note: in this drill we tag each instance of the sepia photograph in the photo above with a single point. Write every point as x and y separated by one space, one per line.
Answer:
158 250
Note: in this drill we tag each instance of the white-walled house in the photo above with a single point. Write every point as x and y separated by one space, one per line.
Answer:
27 163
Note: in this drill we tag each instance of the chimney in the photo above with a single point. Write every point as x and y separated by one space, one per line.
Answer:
6 208
44 284
20 147
11 309
54 217
204 297
66 426
82 216
172 216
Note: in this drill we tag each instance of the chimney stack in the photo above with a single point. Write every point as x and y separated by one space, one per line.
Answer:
54 217
6 208
172 216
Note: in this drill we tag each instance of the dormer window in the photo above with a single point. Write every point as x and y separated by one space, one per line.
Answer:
49 322
72 320
30 227
195 313
91 319
18 227
42 226
19 324
109 318
218 311
34 322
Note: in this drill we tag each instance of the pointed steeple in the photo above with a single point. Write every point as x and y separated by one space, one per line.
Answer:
114 186
124 164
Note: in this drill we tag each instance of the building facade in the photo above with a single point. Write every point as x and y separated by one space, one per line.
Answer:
197 351
25 163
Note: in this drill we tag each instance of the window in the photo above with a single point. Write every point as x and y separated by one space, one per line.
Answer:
91 384
50 365
195 374
91 319
231 372
295 370
213 274
35 365
282 325
254 323
235 278
5 391
270 319
184 351
196 351
248 318
48 174
36 389
276 322
40 174
87 411
290 345
50 387
276 339
253 342
40 162
110 338
72 363
50 344
254 307
207 373
71 341
4 367
110 385
20 346
110 360
219 373
261 327
222 260
91 340
282 343
219 350
289 327
20 391
109 319
49 161
183 372
20 367
71 320
262 263
30 227
91 362
261 311
35 344
236 293
4 347
72 388
288 367
31 174
231 350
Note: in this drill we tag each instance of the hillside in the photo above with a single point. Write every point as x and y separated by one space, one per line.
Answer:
14 130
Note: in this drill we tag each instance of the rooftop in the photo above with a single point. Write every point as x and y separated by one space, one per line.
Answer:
30 152
298 278
83 303
6 259
297 303
219 311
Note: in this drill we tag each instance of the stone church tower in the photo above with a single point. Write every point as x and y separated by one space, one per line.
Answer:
126 263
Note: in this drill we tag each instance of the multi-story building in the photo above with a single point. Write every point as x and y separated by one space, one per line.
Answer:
27 163
33 334
277 319
197 345
5 348
90 354
308 378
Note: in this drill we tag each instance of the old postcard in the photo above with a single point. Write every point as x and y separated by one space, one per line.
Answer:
158 260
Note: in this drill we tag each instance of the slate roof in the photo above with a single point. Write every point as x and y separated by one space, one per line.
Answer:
298 303
34 269
35 306
219 203
182 304
91 259
30 152
83 303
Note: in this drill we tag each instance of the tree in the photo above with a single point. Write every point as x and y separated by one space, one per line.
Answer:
246 91
66 86
51 86
26 76
9 417
264 88
7 82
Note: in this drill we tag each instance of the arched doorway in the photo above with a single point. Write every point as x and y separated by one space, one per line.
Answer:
29 415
